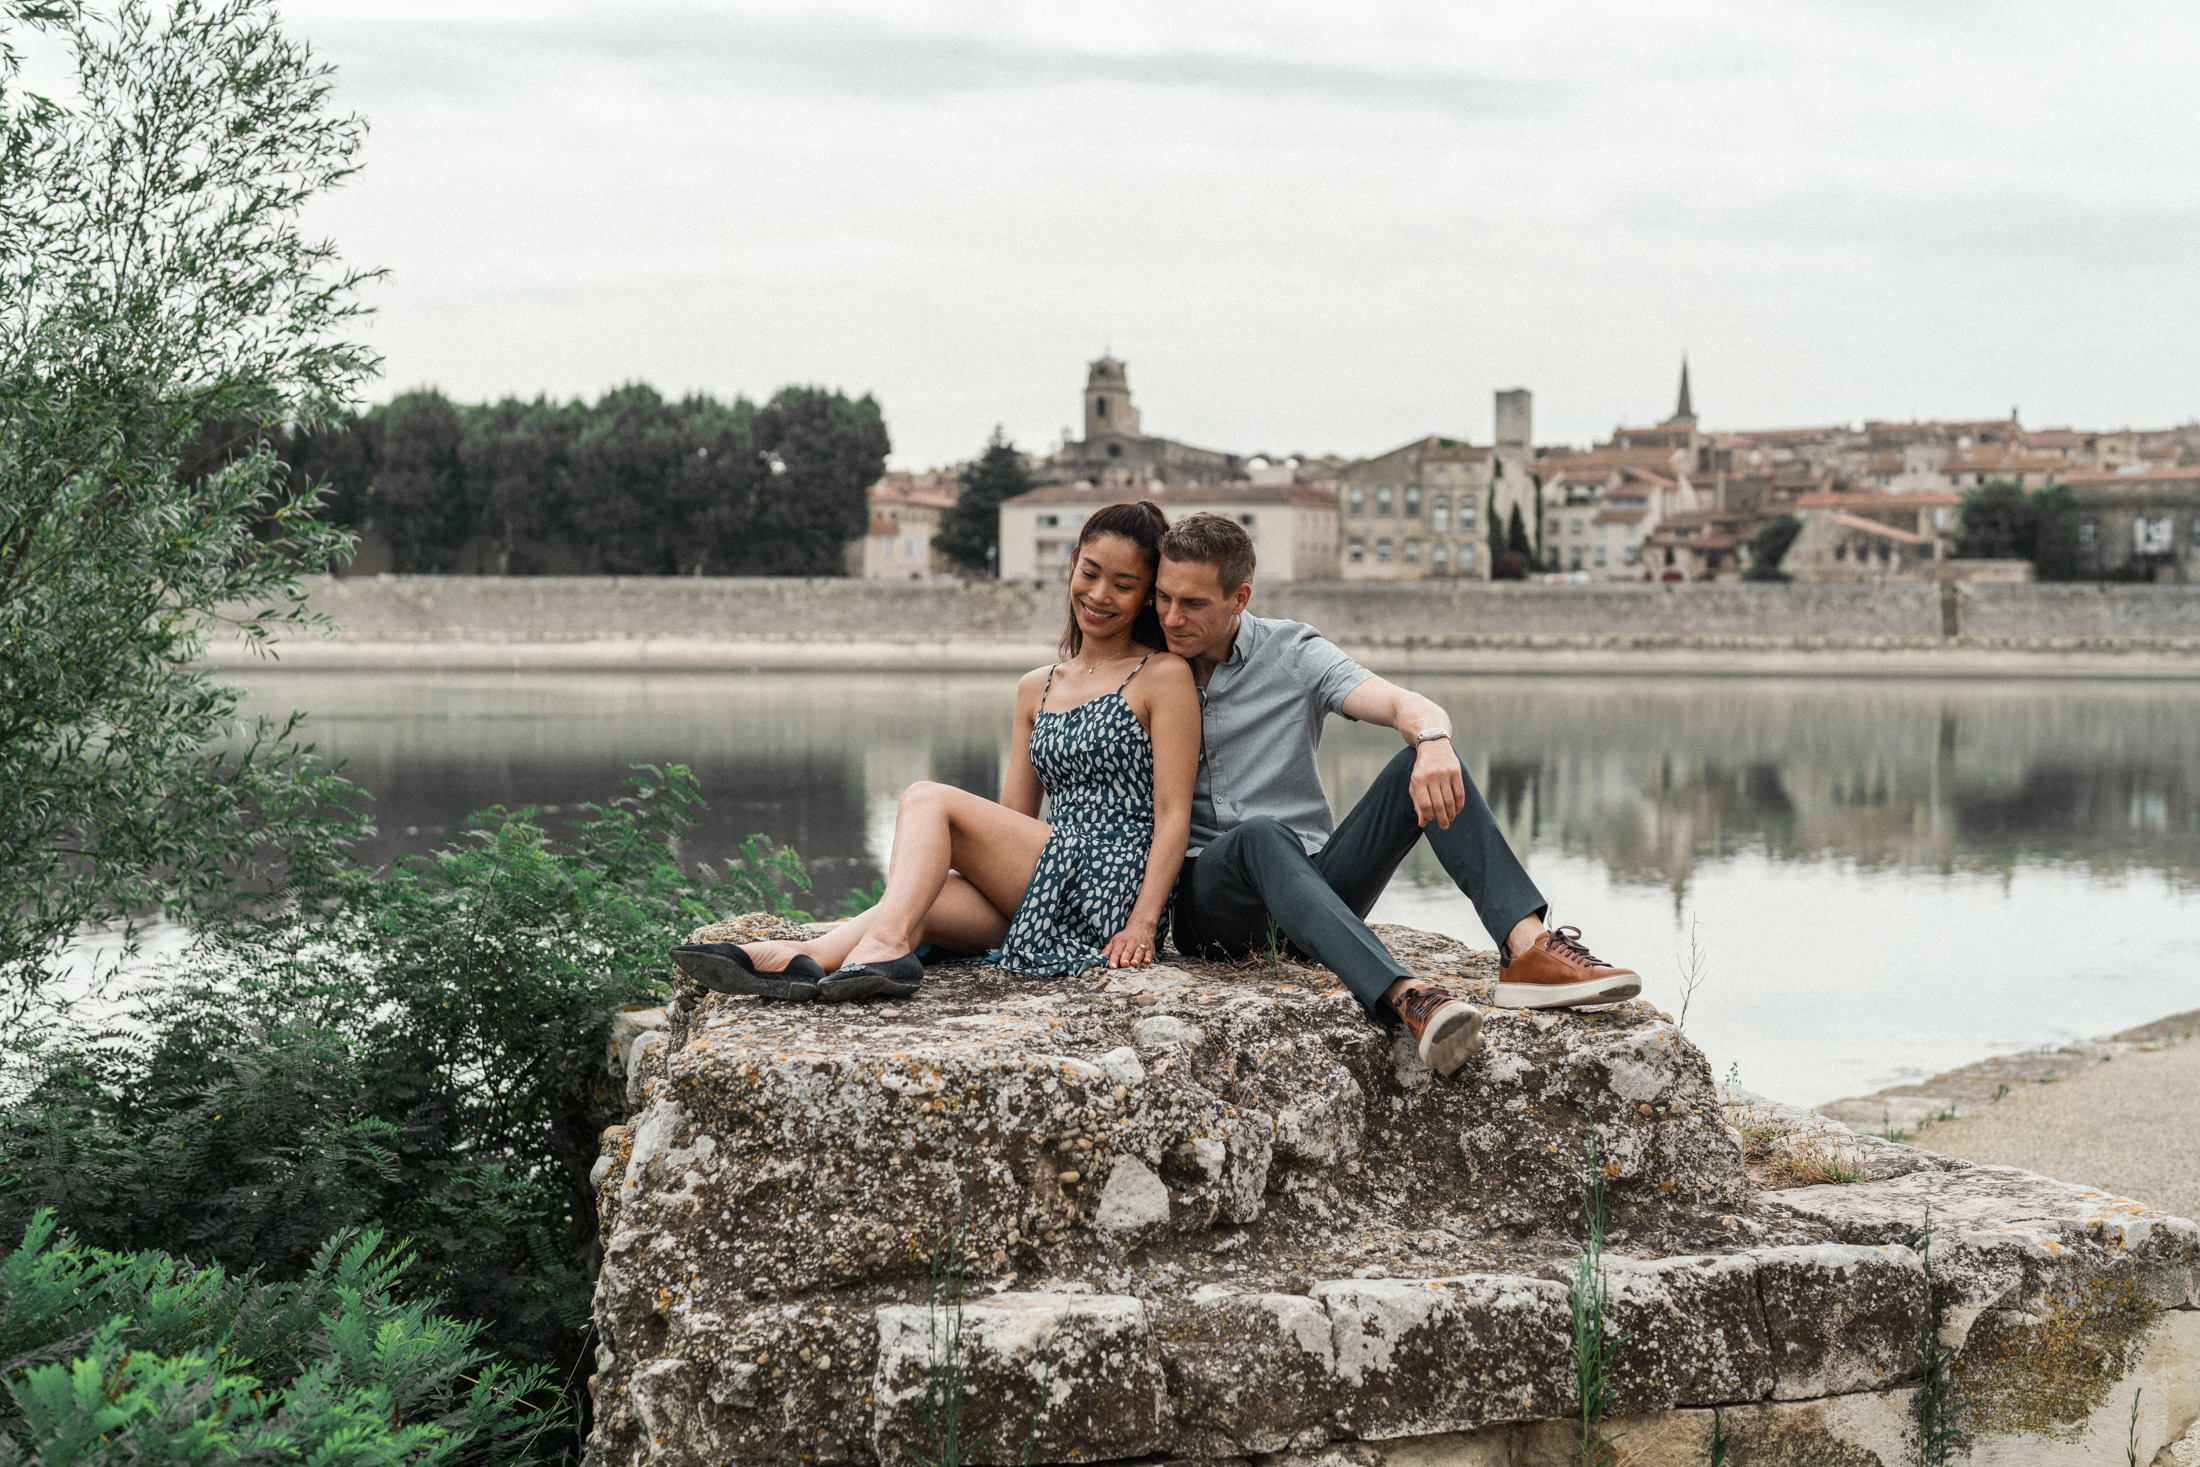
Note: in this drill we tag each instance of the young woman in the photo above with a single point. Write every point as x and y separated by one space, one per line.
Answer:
1109 735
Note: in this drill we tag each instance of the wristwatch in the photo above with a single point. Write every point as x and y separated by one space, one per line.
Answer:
1431 735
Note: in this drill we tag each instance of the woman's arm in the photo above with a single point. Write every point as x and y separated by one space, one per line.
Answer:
1020 789
1172 722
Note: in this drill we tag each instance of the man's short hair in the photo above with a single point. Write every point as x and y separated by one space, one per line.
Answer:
1212 539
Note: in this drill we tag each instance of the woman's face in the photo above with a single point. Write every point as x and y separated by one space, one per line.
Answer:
1108 585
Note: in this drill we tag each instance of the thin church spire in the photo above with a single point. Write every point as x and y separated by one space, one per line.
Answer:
1687 409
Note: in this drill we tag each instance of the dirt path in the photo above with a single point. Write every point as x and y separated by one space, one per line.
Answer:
2121 1114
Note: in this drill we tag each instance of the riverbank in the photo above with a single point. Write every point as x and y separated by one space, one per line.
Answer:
2121 1113
577 624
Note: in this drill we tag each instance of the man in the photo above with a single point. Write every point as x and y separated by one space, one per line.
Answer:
1264 855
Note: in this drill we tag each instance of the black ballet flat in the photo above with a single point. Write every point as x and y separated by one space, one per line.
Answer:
722 967
895 978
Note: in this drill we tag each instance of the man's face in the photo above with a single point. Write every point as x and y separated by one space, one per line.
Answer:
1197 615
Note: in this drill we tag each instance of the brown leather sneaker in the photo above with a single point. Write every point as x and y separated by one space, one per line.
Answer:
1447 1027
1558 972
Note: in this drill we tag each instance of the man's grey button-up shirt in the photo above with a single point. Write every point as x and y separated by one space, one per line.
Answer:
1260 725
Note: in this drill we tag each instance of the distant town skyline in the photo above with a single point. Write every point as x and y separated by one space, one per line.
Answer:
1304 229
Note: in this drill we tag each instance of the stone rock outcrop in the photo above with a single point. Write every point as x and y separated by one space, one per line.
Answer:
1208 1213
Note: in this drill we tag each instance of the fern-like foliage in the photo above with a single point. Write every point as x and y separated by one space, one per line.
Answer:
136 1357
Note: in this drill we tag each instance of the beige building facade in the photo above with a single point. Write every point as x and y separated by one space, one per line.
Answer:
905 515
1293 526
2138 523
1423 510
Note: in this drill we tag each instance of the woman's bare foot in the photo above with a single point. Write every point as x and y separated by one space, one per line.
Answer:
871 949
773 957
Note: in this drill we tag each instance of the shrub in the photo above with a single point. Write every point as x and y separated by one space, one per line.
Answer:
426 1054
137 1357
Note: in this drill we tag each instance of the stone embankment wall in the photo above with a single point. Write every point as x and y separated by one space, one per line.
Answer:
410 622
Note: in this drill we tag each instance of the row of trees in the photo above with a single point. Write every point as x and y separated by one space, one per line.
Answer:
631 484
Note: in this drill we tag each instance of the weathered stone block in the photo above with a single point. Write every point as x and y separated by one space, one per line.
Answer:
1070 1377
1249 1372
1418 1356
1225 1216
1840 1317
1691 1329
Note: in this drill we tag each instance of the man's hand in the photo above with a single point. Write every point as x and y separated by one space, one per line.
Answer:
1439 784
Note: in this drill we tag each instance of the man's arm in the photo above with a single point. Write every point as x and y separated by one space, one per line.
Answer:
1439 781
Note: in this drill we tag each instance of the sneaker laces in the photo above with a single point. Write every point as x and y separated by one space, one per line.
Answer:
1566 941
1423 1002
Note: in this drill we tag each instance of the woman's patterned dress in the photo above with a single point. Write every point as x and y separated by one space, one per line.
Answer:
1096 762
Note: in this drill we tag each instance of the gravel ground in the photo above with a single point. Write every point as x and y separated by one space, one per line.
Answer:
2121 1114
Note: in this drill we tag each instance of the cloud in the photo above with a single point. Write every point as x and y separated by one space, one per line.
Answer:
1312 225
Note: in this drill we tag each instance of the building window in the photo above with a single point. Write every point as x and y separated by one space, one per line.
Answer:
1602 528
1576 527
1099 407
2151 536
1050 522
1466 557
1439 514
1382 502
1359 501
1246 520
1355 550
1554 528
1115 450
1466 516
1413 552
1576 565
1631 556
1382 551
1440 557
2089 536
1413 501
1841 551
1600 557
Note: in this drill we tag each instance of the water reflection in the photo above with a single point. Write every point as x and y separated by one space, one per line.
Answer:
1894 877
1651 778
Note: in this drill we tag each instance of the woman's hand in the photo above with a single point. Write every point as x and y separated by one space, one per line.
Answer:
1133 947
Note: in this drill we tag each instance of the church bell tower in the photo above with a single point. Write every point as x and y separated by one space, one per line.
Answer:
1108 400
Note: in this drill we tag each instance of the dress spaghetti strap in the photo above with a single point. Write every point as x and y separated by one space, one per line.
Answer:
1057 667
1134 672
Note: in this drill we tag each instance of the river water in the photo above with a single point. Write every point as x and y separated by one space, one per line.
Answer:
1883 879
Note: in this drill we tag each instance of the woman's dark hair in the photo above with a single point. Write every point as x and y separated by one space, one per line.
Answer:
1143 524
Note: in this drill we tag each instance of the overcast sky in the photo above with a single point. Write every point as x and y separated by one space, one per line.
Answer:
1305 226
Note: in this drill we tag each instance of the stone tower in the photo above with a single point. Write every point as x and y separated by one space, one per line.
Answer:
1515 437
1108 400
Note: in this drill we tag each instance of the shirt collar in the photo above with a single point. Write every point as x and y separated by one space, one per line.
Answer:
1241 644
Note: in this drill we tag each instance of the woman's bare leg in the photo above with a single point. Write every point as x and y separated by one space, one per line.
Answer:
959 867
961 921
941 830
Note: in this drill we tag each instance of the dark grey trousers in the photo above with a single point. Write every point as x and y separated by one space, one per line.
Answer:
1259 873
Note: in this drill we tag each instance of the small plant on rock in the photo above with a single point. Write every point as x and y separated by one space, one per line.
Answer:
946 1390
1589 1297
1939 1406
1815 1164
1692 966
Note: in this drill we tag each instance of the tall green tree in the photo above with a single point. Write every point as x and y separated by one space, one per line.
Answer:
419 496
818 455
970 532
2003 522
154 277
1770 546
